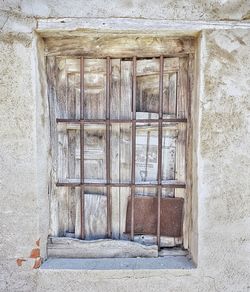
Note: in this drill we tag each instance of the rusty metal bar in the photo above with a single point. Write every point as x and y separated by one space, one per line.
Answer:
109 209
122 121
133 148
176 185
159 189
82 200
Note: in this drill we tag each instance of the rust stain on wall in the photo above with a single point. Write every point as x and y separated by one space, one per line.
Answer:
37 263
38 242
20 262
35 253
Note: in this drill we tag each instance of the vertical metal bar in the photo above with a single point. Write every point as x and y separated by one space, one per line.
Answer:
109 209
159 189
133 148
82 200
176 94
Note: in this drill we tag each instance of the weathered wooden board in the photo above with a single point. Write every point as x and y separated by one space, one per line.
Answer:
146 153
63 88
181 146
64 99
173 252
170 136
125 141
95 213
94 153
103 248
147 100
115 85
118 46
94 88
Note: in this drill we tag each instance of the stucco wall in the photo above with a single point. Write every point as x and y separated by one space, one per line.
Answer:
222 154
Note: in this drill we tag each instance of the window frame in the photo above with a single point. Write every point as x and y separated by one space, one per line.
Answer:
107 122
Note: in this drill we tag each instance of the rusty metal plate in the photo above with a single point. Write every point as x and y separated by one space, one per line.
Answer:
145 216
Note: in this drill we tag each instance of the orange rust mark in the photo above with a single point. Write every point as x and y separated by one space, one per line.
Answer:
37 263
20 262
38 242
35 253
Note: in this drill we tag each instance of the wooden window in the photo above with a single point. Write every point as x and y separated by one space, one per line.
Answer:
119 134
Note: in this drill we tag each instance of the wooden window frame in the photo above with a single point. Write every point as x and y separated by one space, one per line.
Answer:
188 55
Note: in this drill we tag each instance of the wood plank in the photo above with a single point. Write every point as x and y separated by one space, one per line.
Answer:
172 94
181 150
71 96
94 153
71 204
73 100
72 67
115 99
118 46
125 173
115 93
147 86
172 252
77 213
190 217
169 95
146 153
125 140
104 248
95 214
170 134
62 210
182 89
62 174
94 88
180 171
61 88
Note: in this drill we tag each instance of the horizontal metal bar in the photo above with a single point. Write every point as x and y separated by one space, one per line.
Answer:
99 121
152 185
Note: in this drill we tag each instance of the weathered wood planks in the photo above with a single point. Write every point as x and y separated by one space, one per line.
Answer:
64 96
118 46
104 248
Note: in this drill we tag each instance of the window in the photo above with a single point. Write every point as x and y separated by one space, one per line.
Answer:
119 142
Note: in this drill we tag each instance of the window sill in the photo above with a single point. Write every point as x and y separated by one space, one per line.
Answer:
161 263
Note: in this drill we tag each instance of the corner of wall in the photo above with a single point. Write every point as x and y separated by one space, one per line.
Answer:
42 140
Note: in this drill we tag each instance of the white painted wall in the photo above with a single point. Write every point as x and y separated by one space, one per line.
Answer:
222 156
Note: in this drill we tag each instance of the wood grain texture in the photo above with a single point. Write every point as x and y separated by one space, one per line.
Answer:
64 100
182 150
117 46
104 248
95 213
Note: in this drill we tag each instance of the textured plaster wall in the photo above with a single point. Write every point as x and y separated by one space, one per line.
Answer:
222 154
158 9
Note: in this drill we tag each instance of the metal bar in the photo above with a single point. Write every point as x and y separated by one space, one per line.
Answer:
101 121
122 58
133 148
82 147
159 189
109 209
176 94
149 185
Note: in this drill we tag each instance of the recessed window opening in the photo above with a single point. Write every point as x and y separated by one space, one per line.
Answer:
119 136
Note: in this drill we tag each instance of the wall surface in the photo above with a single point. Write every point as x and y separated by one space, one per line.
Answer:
223 159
